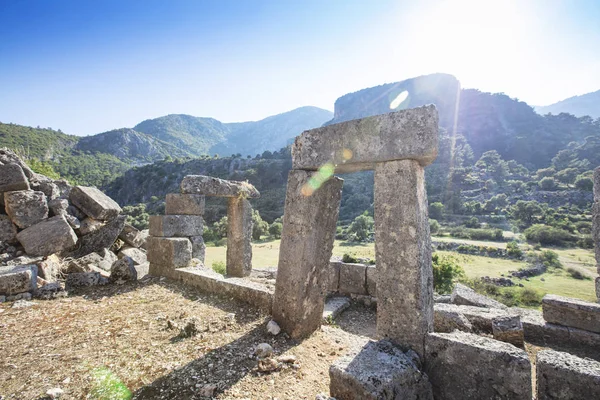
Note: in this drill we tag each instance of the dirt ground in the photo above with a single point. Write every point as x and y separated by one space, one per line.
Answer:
103 341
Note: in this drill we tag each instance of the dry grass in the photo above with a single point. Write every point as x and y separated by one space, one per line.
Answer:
122 330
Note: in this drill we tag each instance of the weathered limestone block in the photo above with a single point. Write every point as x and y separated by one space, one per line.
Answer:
209 186
58 206
184 204
169 252
239 237
403 253
50 291
50 268
371 280
304 253
90 225
533 324
26 207
176 225
509 329
359 144
83 279
353 279
597 184
563 376
12 178
571 312
333 278
243 289
138 256
48 188
598 287
8 230
94 203
132 236
102 238
463 366
334 306
480 318
123 270
448 319
89 262
379 371
50 236
18 279
198 247
464 295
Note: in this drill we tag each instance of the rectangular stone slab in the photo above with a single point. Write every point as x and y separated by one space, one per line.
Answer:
184 204
563 376
209 186
239 237
304 253
53 235
403 253
353 279
359 144
465 366
19 279
380 371
169 252
94 203
571 312
12 178
176 225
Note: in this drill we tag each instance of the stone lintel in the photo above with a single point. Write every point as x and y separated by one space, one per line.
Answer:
209 186
362 143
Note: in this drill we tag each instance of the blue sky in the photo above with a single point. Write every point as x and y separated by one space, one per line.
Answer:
90 66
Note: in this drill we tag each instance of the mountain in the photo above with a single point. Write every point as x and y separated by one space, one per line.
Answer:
129 144
272 133
201 136
586 104
40 143
194 135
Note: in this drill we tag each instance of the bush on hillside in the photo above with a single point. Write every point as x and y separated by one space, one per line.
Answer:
446 271
548 235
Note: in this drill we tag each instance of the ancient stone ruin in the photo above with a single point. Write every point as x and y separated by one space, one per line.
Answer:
176 238
52 232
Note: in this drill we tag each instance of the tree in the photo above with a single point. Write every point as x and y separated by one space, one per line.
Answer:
492 163
275 229
259 226
584 183
361 227
526 212
567 175
547 183
436 210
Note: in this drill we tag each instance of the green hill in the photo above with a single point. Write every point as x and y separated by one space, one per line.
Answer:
580 106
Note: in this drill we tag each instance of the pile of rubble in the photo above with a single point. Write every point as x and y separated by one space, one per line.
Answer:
54 235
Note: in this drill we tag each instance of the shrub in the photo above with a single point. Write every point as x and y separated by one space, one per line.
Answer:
550 259
530 297
576 274
513 250
472 222
547 235
219 267
586 242
445 272
349 258
361 228
584 183
477 234
275 230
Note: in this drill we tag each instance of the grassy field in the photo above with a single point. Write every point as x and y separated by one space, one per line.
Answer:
559 282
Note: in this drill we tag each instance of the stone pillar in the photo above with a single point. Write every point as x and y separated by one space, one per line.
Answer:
403 253
309 223
239 237
596 227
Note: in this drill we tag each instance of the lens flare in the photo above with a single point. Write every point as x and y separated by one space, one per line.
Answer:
347 154
398 100
315 182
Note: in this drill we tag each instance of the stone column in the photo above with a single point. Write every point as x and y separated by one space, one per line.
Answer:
596 227
309 223
403 254
239 237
